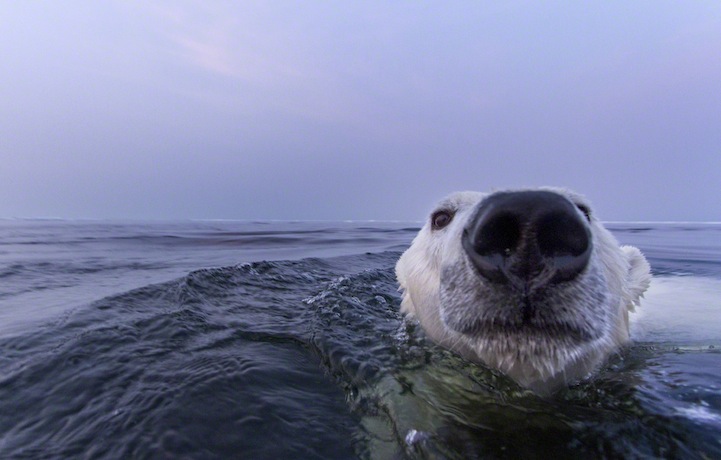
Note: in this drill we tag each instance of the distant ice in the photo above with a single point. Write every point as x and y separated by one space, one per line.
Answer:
679 309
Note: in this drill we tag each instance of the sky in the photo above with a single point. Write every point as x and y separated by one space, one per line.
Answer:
356 110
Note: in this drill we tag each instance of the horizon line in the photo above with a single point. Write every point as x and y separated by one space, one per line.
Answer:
399 221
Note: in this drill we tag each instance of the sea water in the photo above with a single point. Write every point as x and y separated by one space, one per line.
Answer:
284 340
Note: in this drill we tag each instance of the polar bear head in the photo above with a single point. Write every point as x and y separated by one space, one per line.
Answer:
526 281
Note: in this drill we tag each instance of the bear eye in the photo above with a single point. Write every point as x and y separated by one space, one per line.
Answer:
585 210
441 219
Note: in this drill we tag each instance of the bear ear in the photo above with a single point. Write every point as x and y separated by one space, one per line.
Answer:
639 276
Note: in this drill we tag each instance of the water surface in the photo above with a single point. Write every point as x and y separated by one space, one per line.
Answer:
284 340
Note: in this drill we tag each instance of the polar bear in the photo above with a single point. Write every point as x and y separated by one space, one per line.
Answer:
526 281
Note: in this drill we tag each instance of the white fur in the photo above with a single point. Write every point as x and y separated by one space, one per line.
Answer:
539 363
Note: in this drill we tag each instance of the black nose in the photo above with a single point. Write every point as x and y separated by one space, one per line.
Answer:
528 238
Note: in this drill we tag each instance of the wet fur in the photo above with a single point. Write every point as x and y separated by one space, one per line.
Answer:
561 336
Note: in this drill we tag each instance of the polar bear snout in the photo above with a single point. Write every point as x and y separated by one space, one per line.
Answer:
528 282
528 239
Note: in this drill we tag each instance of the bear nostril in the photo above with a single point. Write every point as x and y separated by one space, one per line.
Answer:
499 235
558 234
564 242
495 238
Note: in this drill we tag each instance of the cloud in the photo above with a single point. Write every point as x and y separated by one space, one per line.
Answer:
229 42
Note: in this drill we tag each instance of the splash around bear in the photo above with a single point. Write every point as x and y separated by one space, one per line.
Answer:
526 281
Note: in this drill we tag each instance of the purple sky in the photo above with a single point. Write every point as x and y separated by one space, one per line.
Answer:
356 110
